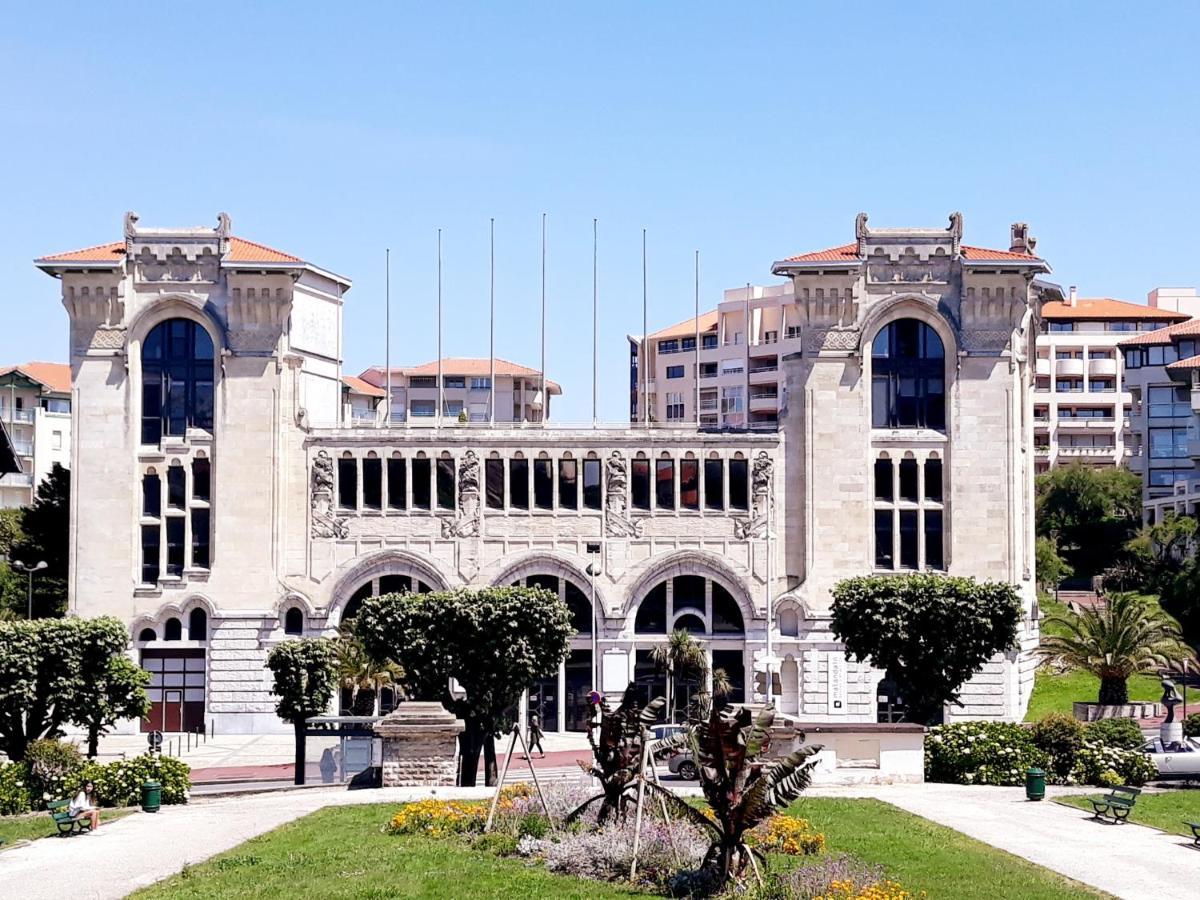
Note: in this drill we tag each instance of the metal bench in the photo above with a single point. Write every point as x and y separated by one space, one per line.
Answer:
1195 826
1116 804
67 823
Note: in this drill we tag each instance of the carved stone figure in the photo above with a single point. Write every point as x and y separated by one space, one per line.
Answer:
860 231
761 499
1170 699
466 523
324 523
617 522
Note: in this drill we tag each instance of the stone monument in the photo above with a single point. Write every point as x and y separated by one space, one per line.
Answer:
1170 731
419 745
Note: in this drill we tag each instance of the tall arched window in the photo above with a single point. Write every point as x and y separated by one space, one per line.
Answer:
177 380
908 377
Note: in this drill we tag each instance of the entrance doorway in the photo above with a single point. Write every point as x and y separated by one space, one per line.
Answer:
177 689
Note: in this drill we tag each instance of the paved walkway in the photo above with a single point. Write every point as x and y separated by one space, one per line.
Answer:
1128 861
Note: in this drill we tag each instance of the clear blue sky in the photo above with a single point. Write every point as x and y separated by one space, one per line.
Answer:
336 130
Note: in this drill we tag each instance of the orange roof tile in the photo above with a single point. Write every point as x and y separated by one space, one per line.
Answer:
1185 365
54 376
1163 335
1107 308
848 253
240 250
358 386
466 366
708 322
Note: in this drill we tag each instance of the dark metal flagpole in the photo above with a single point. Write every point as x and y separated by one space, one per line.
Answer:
545 399
696 368
492 327
595 298
387 331
441 387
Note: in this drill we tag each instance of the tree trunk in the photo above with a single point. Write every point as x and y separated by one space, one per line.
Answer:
93 741
470 743
1114 691
300 738
490 774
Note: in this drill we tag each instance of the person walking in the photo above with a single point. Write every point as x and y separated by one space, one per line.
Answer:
535 735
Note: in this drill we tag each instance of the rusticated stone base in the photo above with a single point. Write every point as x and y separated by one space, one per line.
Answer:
418 745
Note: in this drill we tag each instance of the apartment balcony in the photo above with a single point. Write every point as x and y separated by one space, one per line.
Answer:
1067 368
17 479
762 374
764 402
1102 368
708 406
23 448
1043 366
17 415
1041 452
1087 453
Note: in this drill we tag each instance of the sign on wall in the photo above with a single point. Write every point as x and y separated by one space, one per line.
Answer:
837 682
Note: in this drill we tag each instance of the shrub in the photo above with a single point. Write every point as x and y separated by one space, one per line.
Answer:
438 818
1191 725
119 783
995 753
1060 736
14 789
1109 779
839 877
1123 733
51 764
496 843
788 835
1096 761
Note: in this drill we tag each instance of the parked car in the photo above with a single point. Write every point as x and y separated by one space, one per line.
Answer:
683 765
1176 760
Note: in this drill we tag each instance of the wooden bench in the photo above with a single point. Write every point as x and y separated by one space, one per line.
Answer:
1116 804
67 823
1195 826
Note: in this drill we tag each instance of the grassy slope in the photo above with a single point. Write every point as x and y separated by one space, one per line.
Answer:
1166 811
40 825
341 852
925 856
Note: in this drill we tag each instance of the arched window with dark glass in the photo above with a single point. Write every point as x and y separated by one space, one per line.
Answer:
908 377
177 380
147 634
198 625
172 630
293 622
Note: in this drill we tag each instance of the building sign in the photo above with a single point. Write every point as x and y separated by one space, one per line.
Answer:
837 682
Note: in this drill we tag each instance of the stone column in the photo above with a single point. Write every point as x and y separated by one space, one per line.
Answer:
419 745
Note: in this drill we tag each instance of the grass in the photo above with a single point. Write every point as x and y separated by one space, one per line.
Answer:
1165 811
33 826
924 856
341 852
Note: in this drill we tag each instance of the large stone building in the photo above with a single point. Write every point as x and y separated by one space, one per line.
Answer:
219 508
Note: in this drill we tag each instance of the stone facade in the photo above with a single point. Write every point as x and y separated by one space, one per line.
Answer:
264 519
419 745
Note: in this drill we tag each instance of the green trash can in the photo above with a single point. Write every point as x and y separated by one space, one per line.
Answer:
1035 784
151 796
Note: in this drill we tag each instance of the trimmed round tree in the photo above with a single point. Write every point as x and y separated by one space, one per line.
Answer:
305 676
929 633
494 642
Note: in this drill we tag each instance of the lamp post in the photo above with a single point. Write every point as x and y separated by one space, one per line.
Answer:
29 570
593 570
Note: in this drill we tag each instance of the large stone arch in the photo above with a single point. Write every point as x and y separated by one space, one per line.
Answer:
541 562
390 561
690 562
176 306
908 306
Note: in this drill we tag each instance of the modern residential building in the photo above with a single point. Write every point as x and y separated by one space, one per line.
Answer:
1081 404
466 387
362 403
220 516
35 406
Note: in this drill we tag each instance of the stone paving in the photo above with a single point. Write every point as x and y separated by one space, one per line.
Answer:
1127 861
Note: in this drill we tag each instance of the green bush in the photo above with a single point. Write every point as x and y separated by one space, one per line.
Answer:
1191 725
51 763
1109 779
1096 763
14 789
1060 736
981 753
1123 733
119 783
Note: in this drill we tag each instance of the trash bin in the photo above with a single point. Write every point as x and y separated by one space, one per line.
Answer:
1035 784
151 796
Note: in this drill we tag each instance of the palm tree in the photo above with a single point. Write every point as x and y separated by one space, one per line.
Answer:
358 671
1123 637
681 653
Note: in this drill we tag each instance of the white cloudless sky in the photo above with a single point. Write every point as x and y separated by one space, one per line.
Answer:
749 132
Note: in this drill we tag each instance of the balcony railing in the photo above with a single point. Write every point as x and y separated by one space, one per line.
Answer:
1086 451
23 448
759 370
17 479
16 415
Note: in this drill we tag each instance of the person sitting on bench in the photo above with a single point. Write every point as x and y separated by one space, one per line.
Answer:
84 805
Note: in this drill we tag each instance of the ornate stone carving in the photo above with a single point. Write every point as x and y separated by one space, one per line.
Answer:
986 339
833 339
107 339
466 523
761 500
956 231
861 232
617 522
324 523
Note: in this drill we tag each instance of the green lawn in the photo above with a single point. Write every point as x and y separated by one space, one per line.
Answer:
924 856
40 825
1055 693
341 852
1165 811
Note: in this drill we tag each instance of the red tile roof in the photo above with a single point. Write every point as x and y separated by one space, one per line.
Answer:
53 376
1107 308
466 366
1163 335
240 250
848 253
358 386
1185 365
708 322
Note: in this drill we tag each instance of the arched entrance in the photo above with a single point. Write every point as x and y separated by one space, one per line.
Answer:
704 608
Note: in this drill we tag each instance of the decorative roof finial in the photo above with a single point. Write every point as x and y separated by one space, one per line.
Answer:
860 232
1021 242
224 226
131 219
956 230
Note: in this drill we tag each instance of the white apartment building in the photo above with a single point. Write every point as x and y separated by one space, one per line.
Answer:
35 407
1081 404
519 394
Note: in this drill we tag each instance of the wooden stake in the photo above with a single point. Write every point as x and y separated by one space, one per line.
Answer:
512 745
637 831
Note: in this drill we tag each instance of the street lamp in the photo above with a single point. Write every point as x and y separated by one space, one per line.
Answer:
593 570
29 570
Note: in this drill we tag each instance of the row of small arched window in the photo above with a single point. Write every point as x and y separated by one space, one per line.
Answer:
197 628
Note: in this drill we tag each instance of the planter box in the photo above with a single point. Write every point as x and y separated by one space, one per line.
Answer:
1090 712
